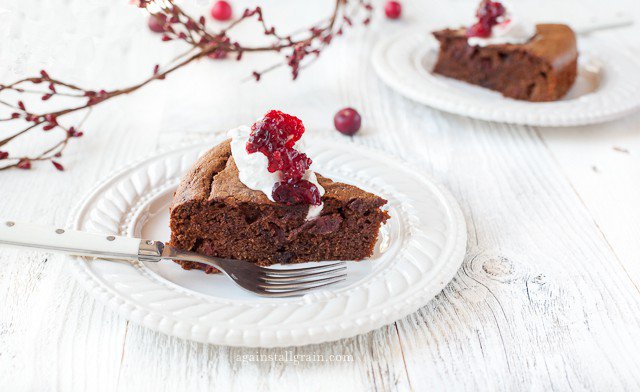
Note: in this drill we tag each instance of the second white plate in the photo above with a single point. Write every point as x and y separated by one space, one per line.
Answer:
606 88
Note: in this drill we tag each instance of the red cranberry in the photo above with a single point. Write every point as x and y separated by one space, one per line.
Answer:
221 10
347 121
393 9
156 23
296 192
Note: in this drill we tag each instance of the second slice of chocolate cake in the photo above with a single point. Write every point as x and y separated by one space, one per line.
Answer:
542 69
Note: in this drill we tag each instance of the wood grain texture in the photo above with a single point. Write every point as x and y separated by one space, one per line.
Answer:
548 295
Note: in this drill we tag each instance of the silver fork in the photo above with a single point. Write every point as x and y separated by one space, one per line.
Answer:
269 282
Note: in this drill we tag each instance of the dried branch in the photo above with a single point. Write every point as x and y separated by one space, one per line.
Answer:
299 49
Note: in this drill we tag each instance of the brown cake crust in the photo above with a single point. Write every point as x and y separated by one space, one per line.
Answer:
543 69
215 214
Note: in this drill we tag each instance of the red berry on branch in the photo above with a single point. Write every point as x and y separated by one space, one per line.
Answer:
221 10
4 155
156 23
57 165
73 133
393 9
347 121
217 55
24 164
51 118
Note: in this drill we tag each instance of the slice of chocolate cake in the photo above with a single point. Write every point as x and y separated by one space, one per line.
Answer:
522 61
216 214
543 69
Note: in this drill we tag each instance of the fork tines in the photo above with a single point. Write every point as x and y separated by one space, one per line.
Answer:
291 282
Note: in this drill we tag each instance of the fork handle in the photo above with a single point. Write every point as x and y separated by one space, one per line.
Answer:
69 241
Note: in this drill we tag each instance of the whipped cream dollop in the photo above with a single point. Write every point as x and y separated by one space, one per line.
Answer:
509 30
253 172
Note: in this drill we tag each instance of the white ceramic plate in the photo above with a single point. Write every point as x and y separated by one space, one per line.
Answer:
606 88
420 249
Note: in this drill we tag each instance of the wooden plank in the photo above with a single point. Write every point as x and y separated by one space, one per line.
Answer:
602 163
56 336
540 294
375 363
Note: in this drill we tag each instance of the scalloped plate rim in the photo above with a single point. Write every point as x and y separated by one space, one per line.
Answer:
138 313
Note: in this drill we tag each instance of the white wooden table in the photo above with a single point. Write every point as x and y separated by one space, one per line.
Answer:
547 298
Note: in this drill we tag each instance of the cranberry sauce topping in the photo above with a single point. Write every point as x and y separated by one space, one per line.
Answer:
296 192
487 14
274 136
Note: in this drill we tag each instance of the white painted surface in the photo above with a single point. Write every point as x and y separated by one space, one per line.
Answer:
547 297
